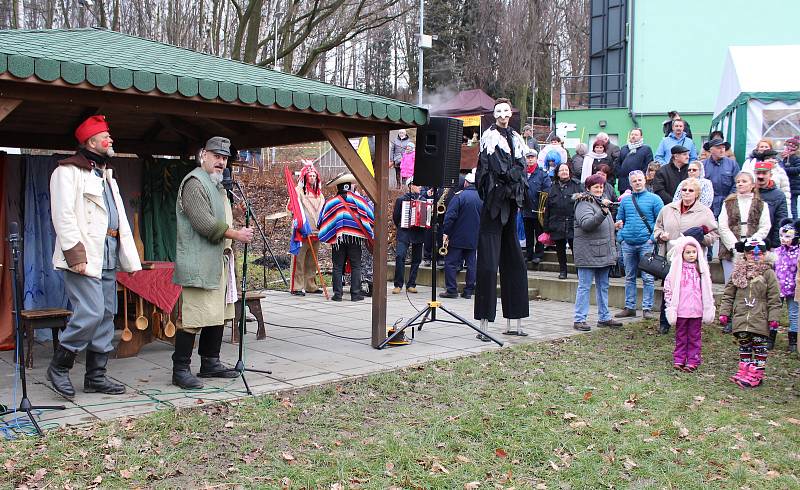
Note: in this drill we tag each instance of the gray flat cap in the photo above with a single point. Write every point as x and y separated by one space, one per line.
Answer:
219 145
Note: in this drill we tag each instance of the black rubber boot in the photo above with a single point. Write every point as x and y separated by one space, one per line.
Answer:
182 376
792 342
210 344
95 380
771 340
58 372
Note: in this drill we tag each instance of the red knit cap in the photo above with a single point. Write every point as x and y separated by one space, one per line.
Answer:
90 127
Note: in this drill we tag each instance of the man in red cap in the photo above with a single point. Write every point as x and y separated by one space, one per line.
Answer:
93 240
775 199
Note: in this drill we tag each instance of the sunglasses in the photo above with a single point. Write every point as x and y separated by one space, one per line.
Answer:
687 190
694 170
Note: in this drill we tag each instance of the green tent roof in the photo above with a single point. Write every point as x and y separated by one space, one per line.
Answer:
102 57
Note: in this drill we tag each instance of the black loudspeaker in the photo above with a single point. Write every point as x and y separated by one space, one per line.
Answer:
438 152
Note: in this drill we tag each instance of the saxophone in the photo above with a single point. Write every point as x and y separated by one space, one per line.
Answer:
441 208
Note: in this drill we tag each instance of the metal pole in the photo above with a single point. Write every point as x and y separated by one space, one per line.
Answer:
419 43
275 40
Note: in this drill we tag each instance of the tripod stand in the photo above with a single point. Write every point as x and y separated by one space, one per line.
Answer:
24 404
428 314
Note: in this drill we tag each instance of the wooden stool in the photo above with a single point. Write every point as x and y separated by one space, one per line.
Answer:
52 318
253 303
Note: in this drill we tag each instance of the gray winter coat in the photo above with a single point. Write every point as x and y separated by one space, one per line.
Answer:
594 243
398 148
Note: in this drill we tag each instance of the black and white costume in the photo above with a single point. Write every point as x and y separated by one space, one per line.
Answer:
502 184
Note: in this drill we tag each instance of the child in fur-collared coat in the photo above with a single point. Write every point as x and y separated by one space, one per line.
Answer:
690 301
753 297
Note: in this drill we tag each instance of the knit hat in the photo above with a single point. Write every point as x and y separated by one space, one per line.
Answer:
696 232
788 230
91 126
794 141
595 179
750 244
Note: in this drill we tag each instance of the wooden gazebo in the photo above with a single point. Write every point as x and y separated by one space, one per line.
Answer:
166 100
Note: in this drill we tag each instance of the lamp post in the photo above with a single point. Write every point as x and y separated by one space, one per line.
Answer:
425 42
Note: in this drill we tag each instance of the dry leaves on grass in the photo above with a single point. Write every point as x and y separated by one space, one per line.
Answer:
631 402
500 453
288 457
472 485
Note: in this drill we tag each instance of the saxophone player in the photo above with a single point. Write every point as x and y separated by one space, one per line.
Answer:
460 236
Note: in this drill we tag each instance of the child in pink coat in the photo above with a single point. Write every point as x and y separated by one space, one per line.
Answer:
407 162
690 301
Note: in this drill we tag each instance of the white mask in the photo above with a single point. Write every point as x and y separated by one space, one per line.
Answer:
502 110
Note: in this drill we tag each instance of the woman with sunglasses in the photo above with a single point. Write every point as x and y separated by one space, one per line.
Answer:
686 217
695 170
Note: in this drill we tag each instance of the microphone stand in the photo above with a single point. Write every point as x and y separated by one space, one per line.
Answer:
240 368
228 183
25 404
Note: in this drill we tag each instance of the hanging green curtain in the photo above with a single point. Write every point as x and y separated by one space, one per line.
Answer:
160 191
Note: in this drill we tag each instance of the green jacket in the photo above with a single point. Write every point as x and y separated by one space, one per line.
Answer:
753 307
198 258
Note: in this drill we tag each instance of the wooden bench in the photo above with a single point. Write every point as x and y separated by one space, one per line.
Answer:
52 318
253 303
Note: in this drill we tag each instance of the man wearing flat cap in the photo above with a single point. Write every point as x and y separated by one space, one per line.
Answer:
775 199
669 176
346 224
204 266
721 171
93 240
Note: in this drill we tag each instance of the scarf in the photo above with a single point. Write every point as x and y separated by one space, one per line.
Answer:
588 163
746 270
532 168
635 146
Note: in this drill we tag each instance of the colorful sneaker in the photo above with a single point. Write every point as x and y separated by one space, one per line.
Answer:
690 368
754 377
677 367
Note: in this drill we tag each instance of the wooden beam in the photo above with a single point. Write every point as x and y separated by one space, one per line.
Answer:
184 129
67 142
342 145
59 92
379 265
290 136
7 106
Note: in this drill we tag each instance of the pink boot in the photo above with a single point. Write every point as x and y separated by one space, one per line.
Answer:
740 373
754 377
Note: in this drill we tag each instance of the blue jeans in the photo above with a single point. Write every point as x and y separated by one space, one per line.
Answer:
630 256
400 264
585 276
793 199
792 306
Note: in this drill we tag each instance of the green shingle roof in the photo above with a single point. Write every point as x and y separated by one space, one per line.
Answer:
101 58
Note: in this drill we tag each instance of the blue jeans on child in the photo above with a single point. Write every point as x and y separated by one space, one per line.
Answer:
631 255
793 308
585 276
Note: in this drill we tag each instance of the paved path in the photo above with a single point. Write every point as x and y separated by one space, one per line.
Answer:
297 357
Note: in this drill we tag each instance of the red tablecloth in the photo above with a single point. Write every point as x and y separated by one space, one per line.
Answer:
154 285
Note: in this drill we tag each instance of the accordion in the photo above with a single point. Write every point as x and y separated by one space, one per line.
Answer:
416 214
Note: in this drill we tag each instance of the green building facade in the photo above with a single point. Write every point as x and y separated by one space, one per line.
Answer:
674 55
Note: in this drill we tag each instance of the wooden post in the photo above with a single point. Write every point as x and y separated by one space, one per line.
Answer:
379 267
350 157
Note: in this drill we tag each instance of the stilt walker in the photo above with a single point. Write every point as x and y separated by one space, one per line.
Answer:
502 184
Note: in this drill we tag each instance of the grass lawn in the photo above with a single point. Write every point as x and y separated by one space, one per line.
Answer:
604 410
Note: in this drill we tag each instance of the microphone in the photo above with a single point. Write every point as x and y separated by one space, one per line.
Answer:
227 181
13 231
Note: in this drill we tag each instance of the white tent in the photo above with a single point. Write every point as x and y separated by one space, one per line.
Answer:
759 96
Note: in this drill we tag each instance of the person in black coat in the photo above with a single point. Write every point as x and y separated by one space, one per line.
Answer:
669 177
633 156
460 234
559 216
407 237
538 181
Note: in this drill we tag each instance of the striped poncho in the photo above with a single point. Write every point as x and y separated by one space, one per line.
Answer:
336 222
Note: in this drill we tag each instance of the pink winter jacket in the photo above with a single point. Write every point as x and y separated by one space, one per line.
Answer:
407 165
698 300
